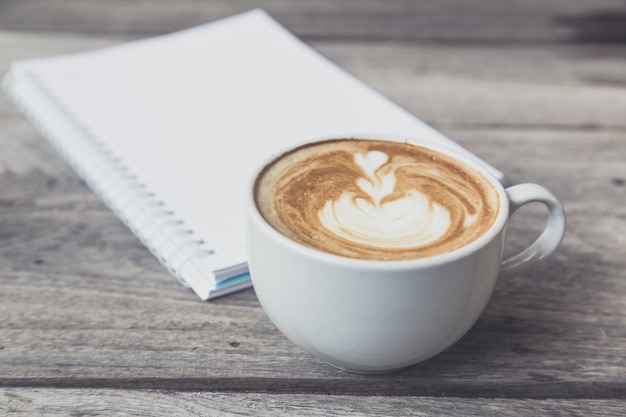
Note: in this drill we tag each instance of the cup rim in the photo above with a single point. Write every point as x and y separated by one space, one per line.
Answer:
374 264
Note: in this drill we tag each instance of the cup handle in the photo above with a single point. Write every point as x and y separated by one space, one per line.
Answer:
550 238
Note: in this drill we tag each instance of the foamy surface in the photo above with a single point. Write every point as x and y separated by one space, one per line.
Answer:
376 200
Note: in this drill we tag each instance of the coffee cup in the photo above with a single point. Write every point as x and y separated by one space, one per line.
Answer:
375 253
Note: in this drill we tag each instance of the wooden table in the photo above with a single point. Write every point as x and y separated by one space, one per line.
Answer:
90 323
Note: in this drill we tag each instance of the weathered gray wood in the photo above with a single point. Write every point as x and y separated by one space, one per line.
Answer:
85 307
50 402
449 20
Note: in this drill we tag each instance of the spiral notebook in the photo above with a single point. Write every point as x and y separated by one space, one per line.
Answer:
167 130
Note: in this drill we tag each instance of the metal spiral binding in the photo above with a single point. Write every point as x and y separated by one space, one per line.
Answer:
138 208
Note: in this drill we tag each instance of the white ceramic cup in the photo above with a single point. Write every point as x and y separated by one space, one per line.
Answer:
368 316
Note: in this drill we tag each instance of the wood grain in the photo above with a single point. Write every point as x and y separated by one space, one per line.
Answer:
444 20
49 402
88 316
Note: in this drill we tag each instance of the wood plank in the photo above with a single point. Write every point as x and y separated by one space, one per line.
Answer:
50 402
560 87
448 20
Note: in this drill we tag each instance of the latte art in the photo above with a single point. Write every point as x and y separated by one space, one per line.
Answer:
375 199
408 221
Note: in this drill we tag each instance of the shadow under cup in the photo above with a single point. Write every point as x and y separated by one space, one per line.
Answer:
370 316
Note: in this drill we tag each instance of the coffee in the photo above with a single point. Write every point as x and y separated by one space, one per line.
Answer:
378 200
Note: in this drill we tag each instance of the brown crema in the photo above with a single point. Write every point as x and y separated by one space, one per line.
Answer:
377 200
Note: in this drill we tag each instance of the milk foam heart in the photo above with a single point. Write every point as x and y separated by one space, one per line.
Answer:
408 221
